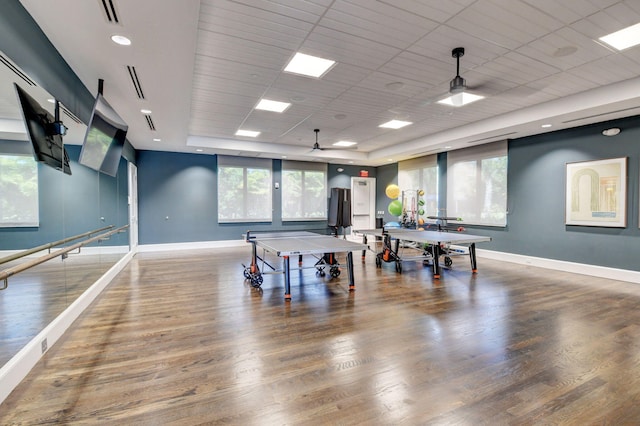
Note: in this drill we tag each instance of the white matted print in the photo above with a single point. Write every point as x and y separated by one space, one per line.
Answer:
596 193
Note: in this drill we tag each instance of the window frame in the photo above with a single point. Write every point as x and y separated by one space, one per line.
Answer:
304 167
478 155
247 165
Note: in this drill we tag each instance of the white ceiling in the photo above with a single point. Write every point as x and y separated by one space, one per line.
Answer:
204 65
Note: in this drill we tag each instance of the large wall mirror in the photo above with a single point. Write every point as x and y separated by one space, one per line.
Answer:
41 205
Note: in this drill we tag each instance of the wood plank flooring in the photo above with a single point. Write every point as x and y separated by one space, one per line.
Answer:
181 339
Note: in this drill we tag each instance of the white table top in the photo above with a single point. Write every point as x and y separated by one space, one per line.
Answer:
303 242
427 237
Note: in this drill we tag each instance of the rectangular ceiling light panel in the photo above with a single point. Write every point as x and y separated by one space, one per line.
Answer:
623 39
275 106
310 66
395 124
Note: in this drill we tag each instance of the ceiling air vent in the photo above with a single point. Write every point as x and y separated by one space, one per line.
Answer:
70 114
152 126
110 11
600 115
17 71
492 137
136 82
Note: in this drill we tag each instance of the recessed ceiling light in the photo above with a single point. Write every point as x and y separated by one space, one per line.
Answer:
249 133
157 139
546 125
275 106
447 147
284 156
310 66
199 150
395 124
611 132
121 40
145 111
345 143
350 162
460 99
51 101
623 39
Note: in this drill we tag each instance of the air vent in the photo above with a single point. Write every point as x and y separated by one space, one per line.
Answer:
492 137
152 126
601 115
136 82
70 114
110 11
419 154
17 71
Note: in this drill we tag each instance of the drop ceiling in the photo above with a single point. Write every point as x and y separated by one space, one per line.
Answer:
202 66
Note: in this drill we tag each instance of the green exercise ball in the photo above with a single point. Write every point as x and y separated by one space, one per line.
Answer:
395 208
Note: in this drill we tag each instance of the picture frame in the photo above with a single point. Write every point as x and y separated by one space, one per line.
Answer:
596 193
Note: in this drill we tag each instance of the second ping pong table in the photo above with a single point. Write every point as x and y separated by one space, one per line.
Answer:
432 245
298 243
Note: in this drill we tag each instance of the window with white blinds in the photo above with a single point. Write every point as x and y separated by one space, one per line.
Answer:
421 173
18 191
477 184
244 189
304 191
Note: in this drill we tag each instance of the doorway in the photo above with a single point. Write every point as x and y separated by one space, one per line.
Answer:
363 198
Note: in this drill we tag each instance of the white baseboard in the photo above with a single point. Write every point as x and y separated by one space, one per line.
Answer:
561 265
144 248
17 368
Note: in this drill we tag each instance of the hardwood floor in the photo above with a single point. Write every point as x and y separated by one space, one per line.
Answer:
180 338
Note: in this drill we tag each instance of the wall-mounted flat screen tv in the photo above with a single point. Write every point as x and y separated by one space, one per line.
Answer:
43 132
104 140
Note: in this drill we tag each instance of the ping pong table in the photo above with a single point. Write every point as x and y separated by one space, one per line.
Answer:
432 244
292 243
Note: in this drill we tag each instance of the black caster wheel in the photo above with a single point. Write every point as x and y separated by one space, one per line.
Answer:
335 272
247 273
320 273
256 281
447 261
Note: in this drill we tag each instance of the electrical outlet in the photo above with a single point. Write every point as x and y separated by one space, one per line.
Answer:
44 345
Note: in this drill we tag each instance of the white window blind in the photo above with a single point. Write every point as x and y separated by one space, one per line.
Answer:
421 173
18 191
477 184
244 189
304 191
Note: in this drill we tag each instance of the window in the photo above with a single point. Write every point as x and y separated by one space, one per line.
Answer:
304 191
477 184
18 191
244 189
421 173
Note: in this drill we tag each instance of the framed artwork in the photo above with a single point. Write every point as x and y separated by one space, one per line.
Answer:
596 193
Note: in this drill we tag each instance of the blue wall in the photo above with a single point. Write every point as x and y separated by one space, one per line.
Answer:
536 198
183 187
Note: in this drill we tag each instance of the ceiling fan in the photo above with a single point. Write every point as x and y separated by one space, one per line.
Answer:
458 84
317 147
458 88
